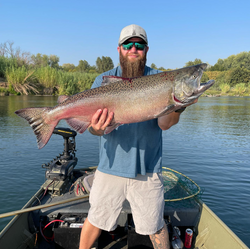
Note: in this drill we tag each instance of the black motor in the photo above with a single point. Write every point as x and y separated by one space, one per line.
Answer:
62 166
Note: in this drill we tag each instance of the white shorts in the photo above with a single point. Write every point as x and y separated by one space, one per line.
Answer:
145 194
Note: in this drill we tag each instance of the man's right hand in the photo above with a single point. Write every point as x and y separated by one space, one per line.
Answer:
100 120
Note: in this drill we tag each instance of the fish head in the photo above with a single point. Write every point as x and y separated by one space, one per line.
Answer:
187 85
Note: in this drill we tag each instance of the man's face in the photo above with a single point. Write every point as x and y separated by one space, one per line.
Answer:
132 60
133 54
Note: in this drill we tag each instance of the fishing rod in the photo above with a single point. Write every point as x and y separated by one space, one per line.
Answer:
25 210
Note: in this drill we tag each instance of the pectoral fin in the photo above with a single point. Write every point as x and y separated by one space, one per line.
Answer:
165 111
77 124
111 128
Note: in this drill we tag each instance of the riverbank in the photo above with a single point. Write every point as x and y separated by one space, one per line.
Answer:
234 92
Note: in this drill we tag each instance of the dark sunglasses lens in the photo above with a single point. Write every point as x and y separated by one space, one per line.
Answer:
128 45
138 45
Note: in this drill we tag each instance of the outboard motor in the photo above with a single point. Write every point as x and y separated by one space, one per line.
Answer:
62 166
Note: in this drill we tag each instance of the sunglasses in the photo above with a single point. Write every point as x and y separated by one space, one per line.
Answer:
138 46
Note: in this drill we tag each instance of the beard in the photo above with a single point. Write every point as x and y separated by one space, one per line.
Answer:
131 69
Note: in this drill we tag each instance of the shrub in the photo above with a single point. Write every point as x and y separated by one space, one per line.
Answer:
225 88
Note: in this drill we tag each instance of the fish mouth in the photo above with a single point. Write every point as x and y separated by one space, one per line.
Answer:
176 100
197 93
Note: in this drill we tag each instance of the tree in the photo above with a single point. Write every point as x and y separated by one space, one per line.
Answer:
104 64
237 75
21 58
54 61
219 66
162 68
43 60
192 63
83 66
241 60
153 66
68 67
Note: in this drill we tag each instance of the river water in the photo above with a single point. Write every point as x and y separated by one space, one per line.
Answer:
210 144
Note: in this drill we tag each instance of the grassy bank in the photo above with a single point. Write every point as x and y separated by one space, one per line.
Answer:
44 80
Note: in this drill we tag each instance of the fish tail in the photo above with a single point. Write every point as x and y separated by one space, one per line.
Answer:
35 117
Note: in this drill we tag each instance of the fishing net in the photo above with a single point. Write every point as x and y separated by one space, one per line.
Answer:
178 187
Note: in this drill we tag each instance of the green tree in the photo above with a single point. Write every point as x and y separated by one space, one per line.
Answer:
104 64
67 67
162 69
237 75
153 66
204 77
219 66
54 61
192 63
83 66
241 60
43 60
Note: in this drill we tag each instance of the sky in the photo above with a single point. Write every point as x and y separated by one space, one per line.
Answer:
178 30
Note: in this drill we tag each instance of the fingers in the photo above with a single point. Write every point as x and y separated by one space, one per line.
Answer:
101 119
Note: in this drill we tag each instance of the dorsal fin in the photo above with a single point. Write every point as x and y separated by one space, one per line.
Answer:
62 98
110 79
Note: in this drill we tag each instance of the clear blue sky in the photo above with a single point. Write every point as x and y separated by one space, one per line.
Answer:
178 31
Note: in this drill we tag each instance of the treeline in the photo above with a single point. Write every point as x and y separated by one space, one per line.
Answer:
23 73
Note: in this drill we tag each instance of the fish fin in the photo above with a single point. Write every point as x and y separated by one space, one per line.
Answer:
110 79
35 117
111 128
166 111
62 98
77 124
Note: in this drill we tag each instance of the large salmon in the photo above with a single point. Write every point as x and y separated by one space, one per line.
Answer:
132 100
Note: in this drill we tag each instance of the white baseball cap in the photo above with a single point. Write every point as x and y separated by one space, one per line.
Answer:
130 31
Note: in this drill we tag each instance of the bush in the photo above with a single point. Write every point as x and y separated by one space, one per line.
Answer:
225 88
240 89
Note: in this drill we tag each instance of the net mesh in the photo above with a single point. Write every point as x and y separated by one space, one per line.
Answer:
178 187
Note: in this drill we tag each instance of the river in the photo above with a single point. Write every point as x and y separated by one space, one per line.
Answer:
210 144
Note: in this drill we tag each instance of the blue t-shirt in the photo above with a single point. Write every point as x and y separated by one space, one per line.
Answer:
131 149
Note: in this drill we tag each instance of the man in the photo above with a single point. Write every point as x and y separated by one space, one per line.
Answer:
130 157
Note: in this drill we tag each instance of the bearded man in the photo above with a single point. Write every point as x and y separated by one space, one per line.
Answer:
130 158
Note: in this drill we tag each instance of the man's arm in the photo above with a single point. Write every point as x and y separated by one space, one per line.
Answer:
167 121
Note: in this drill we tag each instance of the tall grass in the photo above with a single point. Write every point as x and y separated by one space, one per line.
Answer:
20 80
47 76
71 83
240 89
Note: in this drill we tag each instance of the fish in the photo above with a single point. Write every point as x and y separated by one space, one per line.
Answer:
131 100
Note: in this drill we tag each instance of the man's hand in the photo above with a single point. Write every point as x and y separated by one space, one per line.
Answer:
100 120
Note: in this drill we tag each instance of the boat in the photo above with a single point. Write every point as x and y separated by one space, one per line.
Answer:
53 217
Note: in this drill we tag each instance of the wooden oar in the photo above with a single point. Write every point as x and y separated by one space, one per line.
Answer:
25 210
